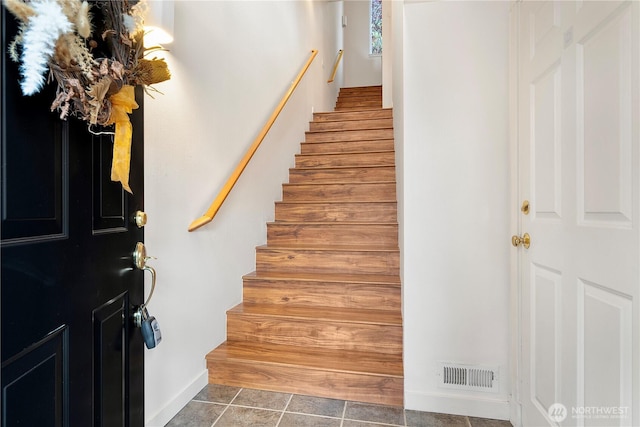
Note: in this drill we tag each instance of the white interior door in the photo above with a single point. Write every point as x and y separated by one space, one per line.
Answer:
578 150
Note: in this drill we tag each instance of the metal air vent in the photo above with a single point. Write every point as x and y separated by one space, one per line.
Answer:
468 377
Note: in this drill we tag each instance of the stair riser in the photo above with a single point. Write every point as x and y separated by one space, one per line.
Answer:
353 94
330 384
368 94
327 261
332 234
317 212
360 97
347 109
352 103
349 135
321 294
351 125
346 147
361 89
365 192
370 174
355 115
320 334
385 158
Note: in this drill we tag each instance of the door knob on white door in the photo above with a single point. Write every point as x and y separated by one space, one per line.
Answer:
525 240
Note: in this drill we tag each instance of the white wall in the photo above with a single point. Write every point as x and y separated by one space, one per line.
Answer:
455 191
388 53
360 68
334 41
396 58
231 63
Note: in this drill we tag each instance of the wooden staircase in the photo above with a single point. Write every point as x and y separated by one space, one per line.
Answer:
321 313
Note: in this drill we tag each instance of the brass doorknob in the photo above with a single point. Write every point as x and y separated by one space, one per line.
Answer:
140 218
525 240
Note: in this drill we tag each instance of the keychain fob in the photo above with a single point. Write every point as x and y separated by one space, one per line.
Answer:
150 329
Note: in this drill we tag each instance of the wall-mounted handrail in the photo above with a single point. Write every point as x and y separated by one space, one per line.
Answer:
224 192
335 66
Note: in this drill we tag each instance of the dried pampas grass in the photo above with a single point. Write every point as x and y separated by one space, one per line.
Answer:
39 38
21 10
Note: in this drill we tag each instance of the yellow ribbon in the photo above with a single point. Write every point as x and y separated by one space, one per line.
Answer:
122 104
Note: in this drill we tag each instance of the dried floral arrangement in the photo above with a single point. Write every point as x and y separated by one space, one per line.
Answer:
95 54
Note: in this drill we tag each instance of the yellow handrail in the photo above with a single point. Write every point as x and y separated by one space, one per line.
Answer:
335 66
226 189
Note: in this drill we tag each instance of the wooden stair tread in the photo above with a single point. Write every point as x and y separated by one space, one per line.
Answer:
320 184
362 88
360 146
319 168
318 290
351 113
347 259
348 131
349 135
327 277
360 124
355 159
338 184
330 202
359 108
334 211
347 142
358 101
338 116
331 224
343 153
329 248
351 315
316 359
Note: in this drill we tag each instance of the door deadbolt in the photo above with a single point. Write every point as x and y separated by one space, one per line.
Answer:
525 207
140 218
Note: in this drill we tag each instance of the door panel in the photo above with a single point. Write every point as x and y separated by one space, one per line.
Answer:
604 58
579 157
45 216
545 346
604 322
546 124
40 371
70 353
111 349
109 201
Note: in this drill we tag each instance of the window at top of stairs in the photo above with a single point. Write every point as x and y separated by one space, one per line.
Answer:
375 27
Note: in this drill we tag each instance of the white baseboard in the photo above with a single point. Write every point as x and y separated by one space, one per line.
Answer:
516 413
497 408
163 416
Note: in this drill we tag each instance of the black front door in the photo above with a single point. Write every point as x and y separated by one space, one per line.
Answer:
71 355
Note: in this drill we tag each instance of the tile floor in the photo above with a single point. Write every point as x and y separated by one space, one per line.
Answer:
223 406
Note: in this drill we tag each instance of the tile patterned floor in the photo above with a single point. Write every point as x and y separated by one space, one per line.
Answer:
223 406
